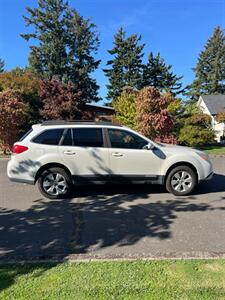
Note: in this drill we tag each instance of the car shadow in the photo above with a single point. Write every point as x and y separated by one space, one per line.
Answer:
215 185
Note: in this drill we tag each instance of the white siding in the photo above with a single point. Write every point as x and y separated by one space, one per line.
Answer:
219 128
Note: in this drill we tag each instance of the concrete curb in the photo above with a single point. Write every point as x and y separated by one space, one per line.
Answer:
217 155
84 258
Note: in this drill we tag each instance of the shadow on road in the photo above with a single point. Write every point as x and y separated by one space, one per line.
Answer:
215 185
107 215
98 217
123 217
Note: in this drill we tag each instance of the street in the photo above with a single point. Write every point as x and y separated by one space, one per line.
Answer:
112 221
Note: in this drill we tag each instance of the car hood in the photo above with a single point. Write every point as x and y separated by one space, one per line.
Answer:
177 148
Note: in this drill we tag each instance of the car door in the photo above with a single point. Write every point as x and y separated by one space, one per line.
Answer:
83 149
128 158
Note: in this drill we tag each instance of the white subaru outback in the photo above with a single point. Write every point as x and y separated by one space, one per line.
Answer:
59 154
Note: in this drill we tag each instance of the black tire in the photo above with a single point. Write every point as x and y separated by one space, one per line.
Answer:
65 178
176 188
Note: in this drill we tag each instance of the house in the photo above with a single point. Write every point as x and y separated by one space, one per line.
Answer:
212 105
99 112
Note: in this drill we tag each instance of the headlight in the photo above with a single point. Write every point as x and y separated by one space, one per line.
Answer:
203 155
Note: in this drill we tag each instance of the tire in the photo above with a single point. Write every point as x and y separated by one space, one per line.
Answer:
181 181
55 183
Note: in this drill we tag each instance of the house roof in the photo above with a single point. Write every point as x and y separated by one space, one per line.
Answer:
100 106
214 103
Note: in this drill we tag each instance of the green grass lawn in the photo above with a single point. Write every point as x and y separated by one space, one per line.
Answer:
214 150
182 279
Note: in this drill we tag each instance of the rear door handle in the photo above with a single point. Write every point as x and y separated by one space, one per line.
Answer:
69 152
117 154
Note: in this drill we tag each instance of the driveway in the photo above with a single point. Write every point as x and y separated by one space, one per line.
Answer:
113 221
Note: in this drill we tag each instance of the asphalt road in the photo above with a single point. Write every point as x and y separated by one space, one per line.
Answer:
112 221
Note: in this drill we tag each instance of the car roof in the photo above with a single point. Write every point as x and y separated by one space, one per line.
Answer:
62 123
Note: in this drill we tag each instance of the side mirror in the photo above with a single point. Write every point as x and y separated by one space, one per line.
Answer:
149 146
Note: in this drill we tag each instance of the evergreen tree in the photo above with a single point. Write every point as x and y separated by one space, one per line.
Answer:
2 64
126 64
159 75
210 69
66 45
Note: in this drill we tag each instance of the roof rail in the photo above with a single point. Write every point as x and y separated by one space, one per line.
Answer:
77 122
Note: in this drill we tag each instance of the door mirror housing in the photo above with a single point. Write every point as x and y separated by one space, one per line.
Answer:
149 146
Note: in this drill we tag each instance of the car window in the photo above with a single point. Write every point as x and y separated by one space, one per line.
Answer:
49 137
25 135
125 139
67 140
87 137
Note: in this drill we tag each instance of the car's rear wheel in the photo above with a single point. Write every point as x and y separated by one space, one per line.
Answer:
181 181
55 183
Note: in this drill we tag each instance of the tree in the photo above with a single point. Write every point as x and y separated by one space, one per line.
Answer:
2 64
159 75
221 117
125 108
24 81
153 118
12 117
65 45
60 100
125 66
197 130
210 68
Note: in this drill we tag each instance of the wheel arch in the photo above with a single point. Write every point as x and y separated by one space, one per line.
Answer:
181 163
51 165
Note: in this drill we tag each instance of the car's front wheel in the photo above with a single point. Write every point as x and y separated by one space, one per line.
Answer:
181 181
55 183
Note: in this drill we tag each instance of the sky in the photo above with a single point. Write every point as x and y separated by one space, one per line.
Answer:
178 29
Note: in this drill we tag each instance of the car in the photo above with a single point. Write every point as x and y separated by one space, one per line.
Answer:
58 155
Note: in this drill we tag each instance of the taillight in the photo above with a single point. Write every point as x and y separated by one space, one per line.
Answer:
16 149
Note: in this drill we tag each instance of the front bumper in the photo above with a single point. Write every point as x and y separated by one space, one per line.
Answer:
209 177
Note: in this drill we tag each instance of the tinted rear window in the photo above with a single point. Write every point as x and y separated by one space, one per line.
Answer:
49 137
87 137
25 135
67 140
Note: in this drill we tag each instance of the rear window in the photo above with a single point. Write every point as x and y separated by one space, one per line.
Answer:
49 137
87 137
25 135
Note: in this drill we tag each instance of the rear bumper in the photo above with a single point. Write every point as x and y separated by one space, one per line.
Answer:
18 172
19 180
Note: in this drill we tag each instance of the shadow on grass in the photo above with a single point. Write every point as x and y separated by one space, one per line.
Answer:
9 273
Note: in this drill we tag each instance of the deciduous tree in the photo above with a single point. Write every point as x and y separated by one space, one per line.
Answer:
24 81
60 100
153 118
125 107
221 117
12 117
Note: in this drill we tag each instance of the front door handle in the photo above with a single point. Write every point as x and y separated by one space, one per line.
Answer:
69 152
117 154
